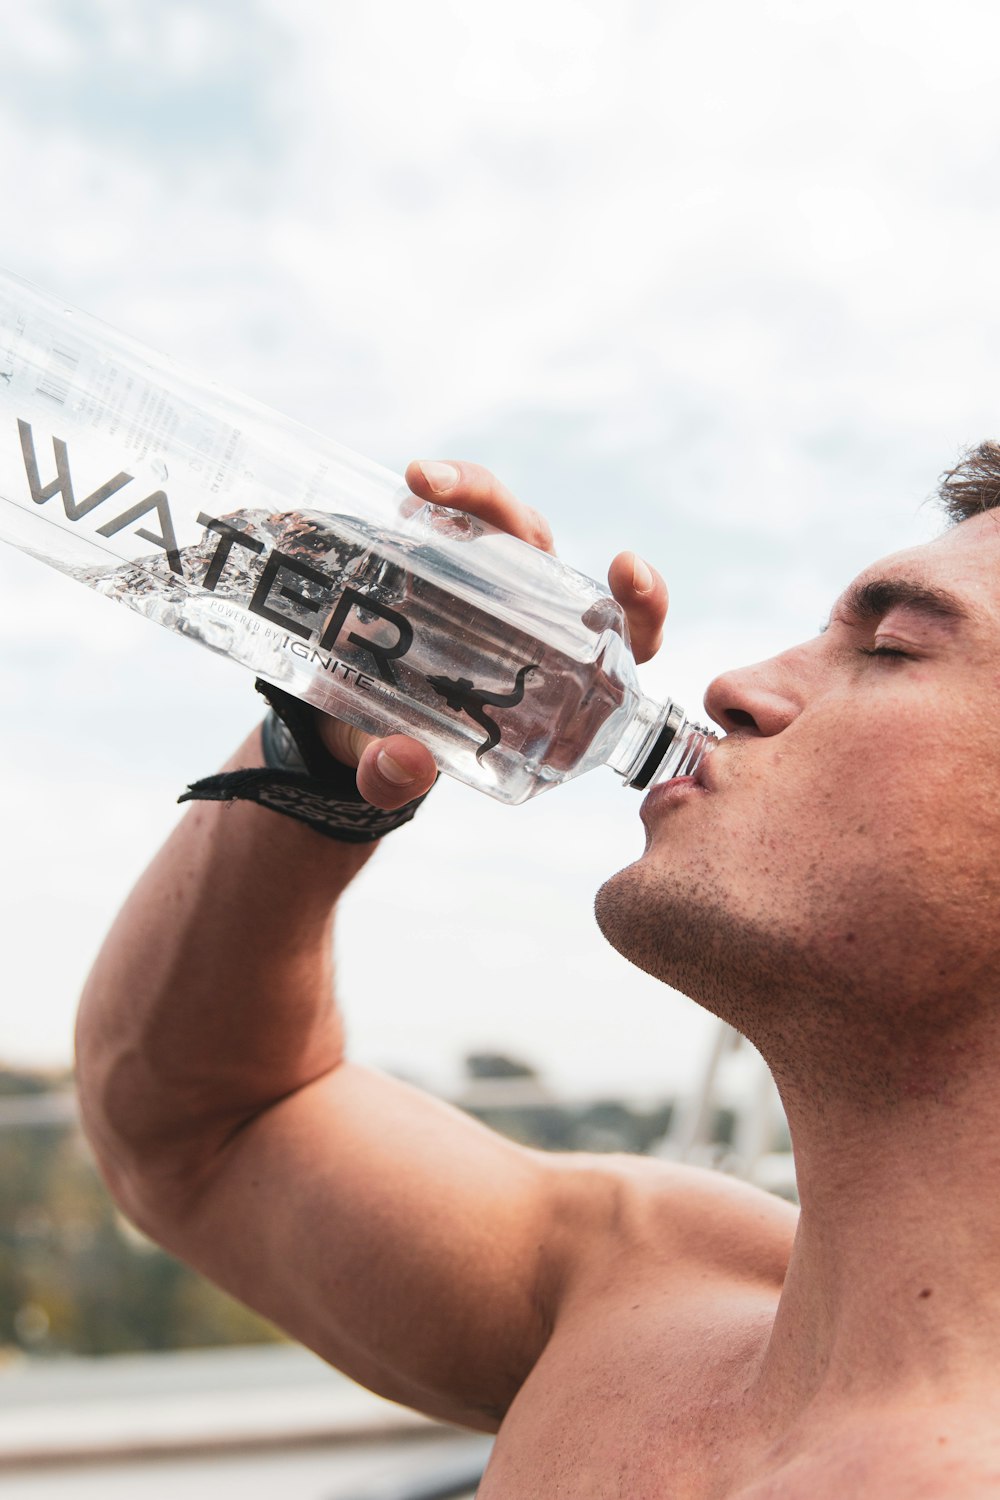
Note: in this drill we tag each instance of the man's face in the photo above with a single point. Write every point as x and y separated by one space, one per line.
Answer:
847 835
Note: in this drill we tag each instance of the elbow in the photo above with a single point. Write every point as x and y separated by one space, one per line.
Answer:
134 1130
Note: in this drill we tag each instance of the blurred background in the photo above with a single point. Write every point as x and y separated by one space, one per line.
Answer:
716 283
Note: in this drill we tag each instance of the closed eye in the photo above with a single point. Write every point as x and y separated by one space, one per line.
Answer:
887 653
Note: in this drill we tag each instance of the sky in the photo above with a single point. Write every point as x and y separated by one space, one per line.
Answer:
715 283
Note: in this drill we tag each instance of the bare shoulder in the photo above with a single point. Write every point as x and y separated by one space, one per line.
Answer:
909 1450
668 1217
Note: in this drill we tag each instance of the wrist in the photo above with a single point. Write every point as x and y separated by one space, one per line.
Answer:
301 780
295 867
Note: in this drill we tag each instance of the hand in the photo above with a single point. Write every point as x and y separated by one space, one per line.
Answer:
395 769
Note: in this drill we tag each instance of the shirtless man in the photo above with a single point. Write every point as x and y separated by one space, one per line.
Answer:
631 1328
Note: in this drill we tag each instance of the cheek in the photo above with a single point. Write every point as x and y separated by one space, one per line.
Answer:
905 850
900 773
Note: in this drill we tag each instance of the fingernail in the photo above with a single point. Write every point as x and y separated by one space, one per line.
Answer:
440 477
642 578
390 770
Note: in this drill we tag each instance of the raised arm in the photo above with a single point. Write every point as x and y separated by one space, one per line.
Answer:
418 1251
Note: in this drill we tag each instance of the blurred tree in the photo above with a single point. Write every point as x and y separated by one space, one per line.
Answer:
74 1277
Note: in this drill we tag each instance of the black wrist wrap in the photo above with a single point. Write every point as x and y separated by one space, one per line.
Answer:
302 779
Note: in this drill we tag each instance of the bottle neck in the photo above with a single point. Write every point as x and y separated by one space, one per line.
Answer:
659 743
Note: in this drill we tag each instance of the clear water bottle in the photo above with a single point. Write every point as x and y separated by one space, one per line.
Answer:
313 567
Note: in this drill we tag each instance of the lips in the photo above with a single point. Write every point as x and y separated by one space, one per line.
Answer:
703 776
680 789
670 794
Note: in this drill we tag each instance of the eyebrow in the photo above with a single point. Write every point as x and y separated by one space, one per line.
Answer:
869 600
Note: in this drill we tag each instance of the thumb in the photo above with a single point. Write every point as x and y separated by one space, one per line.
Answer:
394 771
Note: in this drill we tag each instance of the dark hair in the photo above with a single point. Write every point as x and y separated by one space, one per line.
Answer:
973 485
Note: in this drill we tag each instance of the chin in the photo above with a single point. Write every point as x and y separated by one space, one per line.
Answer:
657 924
677 929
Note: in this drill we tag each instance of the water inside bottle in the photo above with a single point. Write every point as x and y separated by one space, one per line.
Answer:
501 707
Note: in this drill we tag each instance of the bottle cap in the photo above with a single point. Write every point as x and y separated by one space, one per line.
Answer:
675 748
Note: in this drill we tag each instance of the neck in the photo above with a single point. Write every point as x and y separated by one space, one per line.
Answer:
893 1287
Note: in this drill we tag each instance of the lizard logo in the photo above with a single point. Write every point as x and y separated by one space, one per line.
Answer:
460 694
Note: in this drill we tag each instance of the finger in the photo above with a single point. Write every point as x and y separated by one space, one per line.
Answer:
472 488
408 772
642 594
344 742
393 771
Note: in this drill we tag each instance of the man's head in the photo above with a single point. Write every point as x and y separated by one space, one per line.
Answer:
839 869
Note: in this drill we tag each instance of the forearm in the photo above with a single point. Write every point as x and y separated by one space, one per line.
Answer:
212 995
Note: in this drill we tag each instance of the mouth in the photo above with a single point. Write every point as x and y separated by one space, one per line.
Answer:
670 794
679 789
702 774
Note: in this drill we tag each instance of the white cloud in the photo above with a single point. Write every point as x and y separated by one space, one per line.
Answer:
40 43
713 282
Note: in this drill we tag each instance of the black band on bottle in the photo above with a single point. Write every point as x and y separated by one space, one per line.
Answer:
302 780
664 740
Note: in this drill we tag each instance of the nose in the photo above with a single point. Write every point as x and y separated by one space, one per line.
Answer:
757 700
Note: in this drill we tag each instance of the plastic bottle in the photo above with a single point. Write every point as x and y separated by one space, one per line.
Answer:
313 567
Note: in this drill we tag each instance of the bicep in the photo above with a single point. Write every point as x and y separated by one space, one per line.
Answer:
408 1245
430 1258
